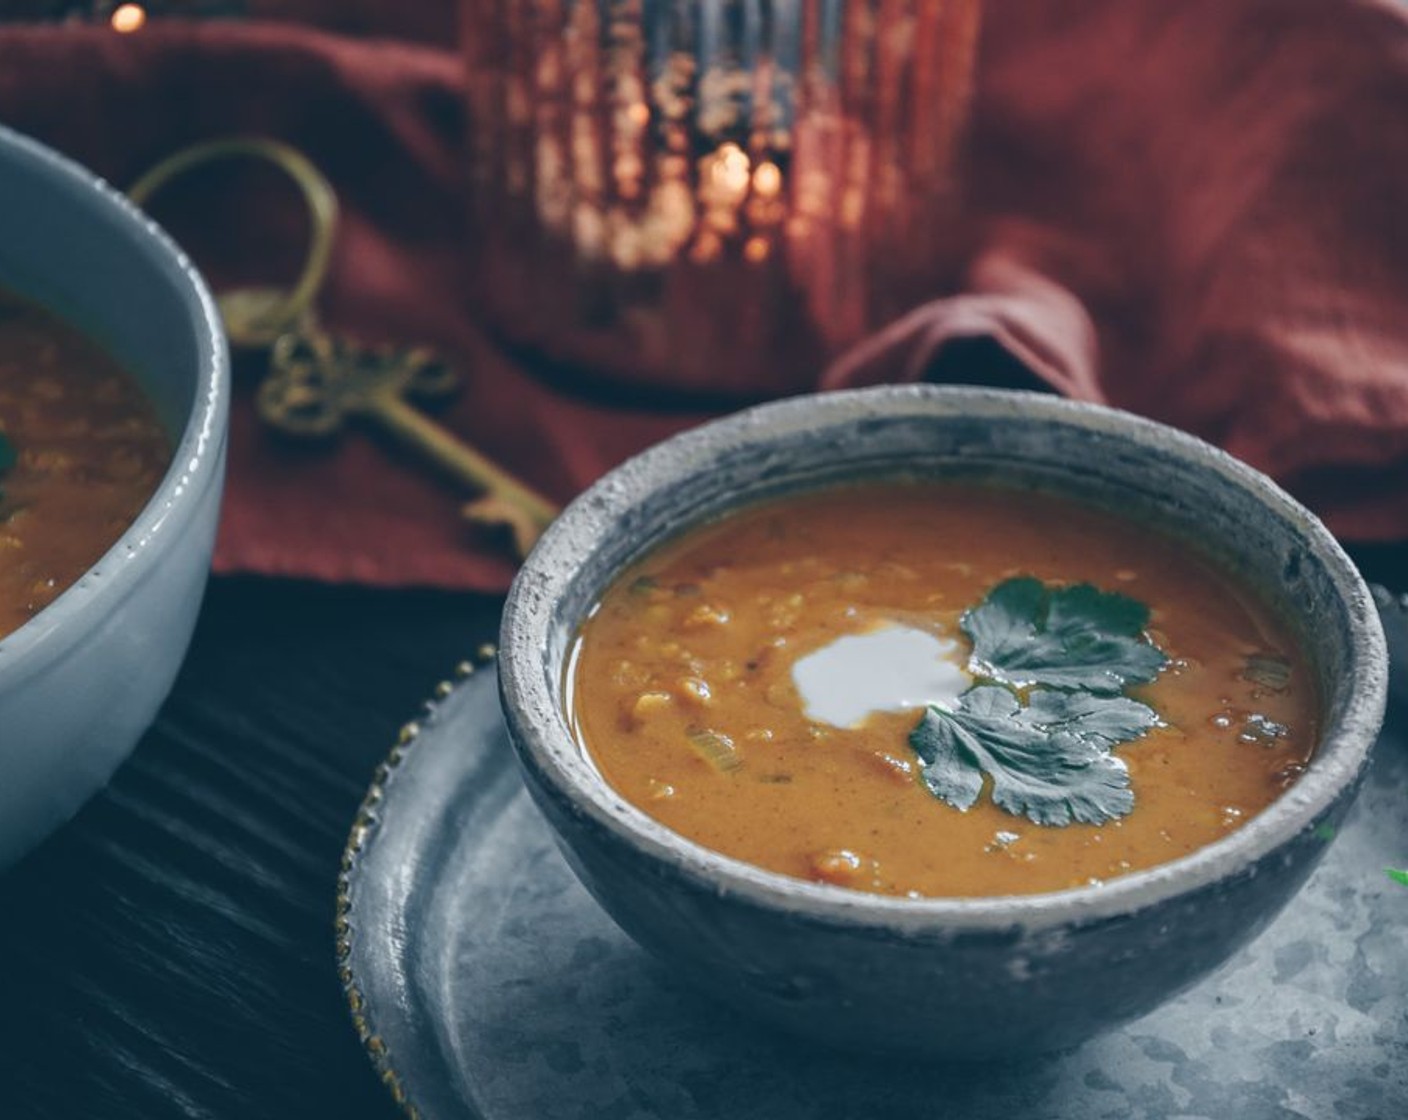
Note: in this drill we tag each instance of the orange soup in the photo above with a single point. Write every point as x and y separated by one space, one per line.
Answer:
81 451
928 689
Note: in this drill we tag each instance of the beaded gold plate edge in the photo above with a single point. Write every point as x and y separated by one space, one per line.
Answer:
363 827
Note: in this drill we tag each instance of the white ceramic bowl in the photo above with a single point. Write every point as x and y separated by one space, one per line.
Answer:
82 680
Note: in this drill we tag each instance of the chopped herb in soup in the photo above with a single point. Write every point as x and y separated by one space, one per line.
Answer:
940 690
1048 706
81 451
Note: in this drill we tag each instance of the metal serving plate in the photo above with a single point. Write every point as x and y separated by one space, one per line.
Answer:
486 983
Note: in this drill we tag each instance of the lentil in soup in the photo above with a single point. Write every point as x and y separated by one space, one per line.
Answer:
81 451
763 686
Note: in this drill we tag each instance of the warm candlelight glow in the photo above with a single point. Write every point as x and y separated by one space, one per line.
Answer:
709 191
767 180
127 18
730 169
707 247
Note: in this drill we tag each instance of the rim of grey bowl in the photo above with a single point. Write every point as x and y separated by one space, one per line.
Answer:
548 746
194 459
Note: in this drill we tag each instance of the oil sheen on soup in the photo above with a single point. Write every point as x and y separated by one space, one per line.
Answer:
81 451
930 689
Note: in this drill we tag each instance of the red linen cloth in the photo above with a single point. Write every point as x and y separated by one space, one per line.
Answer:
1196 211
1193 211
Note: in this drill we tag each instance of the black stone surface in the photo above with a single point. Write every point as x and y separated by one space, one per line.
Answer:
169 953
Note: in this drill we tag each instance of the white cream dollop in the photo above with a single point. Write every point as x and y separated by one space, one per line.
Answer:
889 668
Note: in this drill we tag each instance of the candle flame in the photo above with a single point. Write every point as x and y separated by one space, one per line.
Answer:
730 170
127 18
767 179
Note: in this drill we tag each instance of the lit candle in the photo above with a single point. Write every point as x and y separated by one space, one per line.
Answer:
127 18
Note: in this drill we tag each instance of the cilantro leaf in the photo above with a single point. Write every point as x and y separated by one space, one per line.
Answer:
1049 760
1048 709
1025 635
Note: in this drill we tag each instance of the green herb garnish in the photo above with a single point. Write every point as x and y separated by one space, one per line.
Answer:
1047 710
1270 670
1397 875
1049 760
715 748
1025 634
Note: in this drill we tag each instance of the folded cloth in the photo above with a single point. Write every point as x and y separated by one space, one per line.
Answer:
1193 211
1196 212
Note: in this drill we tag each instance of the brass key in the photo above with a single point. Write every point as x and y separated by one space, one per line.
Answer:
317 382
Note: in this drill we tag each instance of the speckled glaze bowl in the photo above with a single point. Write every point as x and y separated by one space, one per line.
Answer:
81 680
958 978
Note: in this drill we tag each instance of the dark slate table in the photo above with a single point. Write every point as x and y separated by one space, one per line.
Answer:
169 953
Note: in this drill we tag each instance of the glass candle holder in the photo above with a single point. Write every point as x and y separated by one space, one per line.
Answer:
712 195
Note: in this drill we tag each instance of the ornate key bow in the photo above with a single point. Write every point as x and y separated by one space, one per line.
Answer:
316 382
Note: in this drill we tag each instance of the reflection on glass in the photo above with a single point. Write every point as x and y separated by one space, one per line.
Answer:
712 194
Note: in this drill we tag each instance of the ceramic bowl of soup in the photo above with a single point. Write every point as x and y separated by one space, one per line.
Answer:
941 720
114 392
